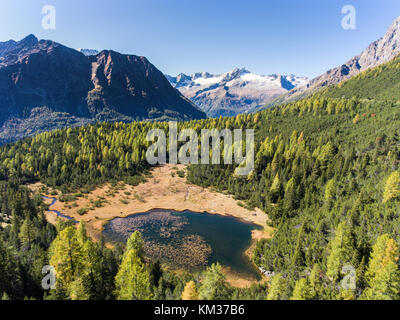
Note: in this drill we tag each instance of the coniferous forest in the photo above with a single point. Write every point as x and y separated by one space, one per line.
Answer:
326 175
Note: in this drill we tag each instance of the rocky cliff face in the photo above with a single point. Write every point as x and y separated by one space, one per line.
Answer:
46 79
233 92
378 52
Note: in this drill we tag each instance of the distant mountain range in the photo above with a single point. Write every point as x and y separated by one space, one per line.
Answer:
45 85
233 92
378 52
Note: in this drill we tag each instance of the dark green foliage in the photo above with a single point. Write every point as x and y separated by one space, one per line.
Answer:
321 169
24 240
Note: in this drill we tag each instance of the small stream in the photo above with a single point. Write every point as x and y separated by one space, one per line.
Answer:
58 213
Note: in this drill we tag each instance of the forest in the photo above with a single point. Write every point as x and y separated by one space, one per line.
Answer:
326 175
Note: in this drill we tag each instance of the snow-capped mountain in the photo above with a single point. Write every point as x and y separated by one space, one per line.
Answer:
233 92
88 52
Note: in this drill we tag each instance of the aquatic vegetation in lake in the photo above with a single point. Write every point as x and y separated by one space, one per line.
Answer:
188 240
162 237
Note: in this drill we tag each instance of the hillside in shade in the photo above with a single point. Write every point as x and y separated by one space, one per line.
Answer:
45 85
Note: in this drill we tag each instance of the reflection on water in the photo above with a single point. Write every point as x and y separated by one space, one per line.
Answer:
189 239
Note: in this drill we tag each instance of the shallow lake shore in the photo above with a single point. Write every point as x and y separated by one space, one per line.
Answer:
164 189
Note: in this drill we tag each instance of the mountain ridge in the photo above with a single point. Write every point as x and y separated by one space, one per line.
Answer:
378 52
234 92
43 74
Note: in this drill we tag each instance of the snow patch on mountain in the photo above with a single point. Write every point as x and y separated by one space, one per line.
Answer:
88 52
233 92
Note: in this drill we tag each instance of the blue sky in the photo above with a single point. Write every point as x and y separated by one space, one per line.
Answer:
303 37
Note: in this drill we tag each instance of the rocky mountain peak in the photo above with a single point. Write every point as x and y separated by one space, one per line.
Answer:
29 40
378 52
233 92
382 50
109 86
235 73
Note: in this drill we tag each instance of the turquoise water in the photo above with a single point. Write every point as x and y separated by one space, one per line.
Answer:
227 236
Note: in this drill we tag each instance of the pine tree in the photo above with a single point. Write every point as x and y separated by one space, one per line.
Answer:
28 232
190 291
290 195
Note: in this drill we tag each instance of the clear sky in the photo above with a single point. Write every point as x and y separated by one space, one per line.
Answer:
303 37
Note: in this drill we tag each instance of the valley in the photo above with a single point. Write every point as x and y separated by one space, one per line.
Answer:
315 218
164 189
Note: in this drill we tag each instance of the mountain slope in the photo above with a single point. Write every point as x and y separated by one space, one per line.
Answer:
377 53
234 92
326 173
40 79
379 83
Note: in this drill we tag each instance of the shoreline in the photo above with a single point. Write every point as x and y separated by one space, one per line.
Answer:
164 190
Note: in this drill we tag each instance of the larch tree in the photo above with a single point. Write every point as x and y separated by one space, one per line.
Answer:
67 256
392 187
315 282
278 288
341 251
301 290
190 291
330 190
135 242
383 275
132 280
214 286
78 290
275 189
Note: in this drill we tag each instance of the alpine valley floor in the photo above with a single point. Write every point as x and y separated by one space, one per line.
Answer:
165 189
